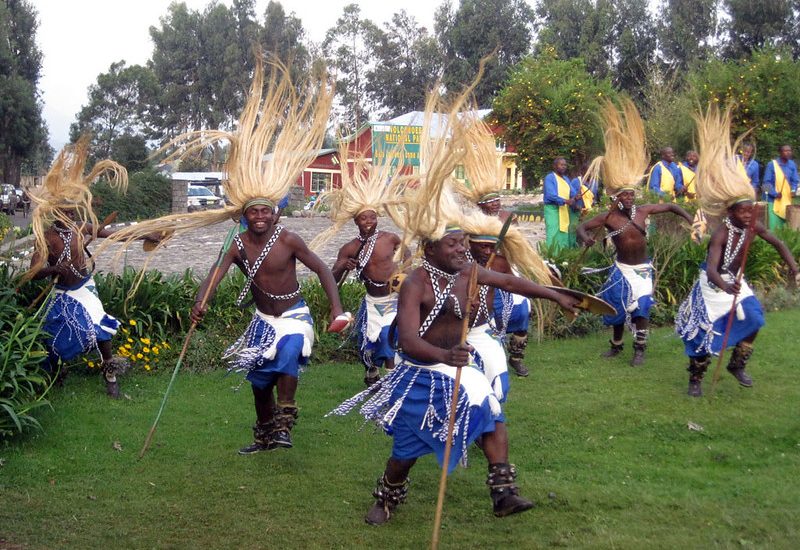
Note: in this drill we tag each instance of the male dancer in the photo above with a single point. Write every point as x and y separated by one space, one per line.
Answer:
279 338
702 318
629 287
74 318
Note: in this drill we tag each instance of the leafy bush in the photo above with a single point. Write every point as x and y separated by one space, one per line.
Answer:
149 196
23 384
5 225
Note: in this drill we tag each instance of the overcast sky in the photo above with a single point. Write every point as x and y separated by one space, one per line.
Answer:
81 38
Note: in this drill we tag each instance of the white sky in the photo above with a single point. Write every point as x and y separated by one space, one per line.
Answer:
81 38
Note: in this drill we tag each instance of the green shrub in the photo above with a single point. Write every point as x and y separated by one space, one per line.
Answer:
5 225
23 384
149 196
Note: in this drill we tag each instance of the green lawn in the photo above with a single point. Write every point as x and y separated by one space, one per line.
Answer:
604 449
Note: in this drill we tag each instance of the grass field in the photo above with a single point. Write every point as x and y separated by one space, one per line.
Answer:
604 449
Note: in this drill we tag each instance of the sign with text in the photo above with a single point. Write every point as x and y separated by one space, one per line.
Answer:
391 143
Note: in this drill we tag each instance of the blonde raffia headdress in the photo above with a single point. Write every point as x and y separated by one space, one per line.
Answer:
364 187
276 120
66 187
483 171
624 164
720 184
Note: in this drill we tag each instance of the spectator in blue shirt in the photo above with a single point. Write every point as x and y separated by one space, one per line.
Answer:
665 177
780 183
750 167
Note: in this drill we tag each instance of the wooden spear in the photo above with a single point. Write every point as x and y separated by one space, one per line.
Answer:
222 251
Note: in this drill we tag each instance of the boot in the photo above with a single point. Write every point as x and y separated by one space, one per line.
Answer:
261 439
516 353
741 354
697 368
639 346
504 493
110 369
614 350
388 496
285 418
371 375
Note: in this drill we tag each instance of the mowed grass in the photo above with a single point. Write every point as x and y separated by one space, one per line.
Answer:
604 449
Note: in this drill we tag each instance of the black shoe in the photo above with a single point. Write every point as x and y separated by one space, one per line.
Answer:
280 439
112 389
638 356
371 376
378 514
744 379
511 504
255 447
614 350
695 388
518 367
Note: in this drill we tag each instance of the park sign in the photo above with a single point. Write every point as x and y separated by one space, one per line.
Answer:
390 142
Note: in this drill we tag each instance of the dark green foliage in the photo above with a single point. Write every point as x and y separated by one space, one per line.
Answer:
764 89
548 109
476 29
23 383
686 31
755 25
149 196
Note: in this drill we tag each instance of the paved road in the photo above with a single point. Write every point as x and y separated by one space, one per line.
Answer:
199 249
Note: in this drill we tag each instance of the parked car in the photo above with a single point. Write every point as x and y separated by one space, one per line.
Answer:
8 198
201 198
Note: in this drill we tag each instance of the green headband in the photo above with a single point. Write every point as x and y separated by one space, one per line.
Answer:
259 200
739 200
452 228
489 197
483 239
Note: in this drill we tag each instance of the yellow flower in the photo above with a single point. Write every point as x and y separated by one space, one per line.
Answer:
145 341
146 367
155 350
146 349
165 345
132 322
91 364
122 349
129 340
125 330
139 356
127 346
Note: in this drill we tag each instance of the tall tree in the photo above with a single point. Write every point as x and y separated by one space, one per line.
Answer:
407 63
283 36
548 109
634 46
686 31
21 126
578 28
476 29
346 47
119 104
754 25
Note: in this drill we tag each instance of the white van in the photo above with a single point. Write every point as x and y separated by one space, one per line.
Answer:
201 198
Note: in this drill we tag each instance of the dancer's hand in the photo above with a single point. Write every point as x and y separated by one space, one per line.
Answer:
733 288
351 264
568 302
198 312
458 355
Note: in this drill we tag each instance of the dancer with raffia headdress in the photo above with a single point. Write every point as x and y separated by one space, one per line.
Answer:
278 340
365 191
484 177
63 222
702 318
629 287
412 403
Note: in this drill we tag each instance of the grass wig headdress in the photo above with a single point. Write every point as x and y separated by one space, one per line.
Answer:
624 164
364 187
278 135
484 174
720 183
67 188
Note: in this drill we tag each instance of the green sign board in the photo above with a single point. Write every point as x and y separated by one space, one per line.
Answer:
390 143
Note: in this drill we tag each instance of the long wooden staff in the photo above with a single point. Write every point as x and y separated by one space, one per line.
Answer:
472 291
748 239
346 272
46 290
222 251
